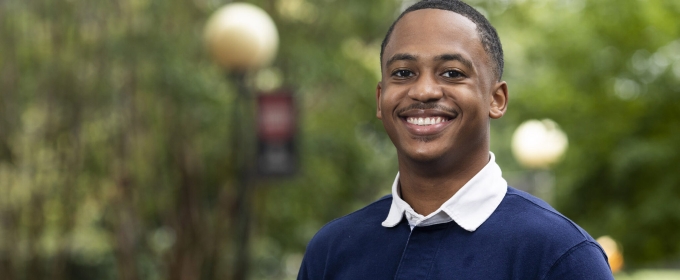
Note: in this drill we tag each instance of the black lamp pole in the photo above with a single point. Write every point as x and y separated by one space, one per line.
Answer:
243 139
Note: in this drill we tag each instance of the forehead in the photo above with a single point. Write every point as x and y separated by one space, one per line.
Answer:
431 32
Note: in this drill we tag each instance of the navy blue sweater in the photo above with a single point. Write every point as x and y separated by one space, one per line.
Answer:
524 238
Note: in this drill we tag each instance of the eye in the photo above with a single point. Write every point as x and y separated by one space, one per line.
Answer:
453 74
402 73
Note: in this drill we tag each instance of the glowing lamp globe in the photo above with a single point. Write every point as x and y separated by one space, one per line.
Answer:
613 251
538 144
241 36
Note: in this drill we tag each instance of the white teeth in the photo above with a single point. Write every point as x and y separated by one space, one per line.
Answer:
425 121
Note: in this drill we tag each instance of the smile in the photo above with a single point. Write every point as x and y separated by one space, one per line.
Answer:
421 120
427 125
426 121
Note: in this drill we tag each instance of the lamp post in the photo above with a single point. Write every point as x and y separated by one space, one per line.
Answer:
241 38
613 251
537 145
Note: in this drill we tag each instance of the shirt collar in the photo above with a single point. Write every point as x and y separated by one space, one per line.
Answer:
469 207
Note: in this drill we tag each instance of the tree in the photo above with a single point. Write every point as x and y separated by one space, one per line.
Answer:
115 148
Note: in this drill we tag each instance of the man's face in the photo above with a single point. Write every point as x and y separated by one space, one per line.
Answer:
438 89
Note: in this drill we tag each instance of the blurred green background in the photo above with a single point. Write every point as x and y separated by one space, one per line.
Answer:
115 158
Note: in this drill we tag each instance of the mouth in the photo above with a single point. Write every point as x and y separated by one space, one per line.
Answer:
427 122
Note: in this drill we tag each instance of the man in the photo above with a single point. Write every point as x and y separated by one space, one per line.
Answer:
451 214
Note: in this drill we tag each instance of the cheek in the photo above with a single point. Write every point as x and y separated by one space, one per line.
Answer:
388 101
476 99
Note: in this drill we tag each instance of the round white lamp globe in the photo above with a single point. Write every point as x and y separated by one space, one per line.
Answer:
538 144
241 36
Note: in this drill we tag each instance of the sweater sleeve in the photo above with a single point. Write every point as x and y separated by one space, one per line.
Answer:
583 261
314 261
309 269
304 273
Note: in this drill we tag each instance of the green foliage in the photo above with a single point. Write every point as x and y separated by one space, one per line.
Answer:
116 152
608 72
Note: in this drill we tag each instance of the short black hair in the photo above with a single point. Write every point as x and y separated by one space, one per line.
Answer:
487 33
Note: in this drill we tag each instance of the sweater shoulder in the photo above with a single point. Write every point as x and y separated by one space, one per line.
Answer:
537 233
534 217
358 221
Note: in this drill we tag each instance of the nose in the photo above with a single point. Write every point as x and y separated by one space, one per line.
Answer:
426 89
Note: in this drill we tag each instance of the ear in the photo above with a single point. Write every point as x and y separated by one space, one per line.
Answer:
378 92
499 100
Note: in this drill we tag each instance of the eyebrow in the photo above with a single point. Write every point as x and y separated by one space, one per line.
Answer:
400 56
456 57
442 57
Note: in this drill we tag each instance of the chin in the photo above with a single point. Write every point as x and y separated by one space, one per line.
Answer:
425 155
425 139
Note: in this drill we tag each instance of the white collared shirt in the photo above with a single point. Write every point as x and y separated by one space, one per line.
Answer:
469 207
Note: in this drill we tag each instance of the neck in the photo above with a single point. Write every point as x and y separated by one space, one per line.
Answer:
426 186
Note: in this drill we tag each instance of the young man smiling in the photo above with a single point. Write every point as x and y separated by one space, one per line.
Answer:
451 214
